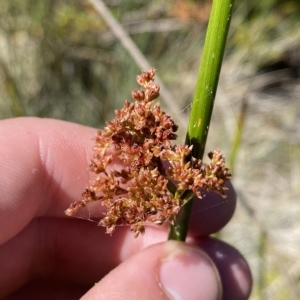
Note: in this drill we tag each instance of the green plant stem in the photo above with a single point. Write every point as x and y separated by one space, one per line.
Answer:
204 95
179 230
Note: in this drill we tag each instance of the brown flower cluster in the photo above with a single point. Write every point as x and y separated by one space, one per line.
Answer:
137 190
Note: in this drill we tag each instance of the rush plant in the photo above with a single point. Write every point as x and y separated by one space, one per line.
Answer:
154 180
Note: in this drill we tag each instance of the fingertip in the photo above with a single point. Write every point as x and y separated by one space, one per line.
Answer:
234 270
170 270
212 212
189 273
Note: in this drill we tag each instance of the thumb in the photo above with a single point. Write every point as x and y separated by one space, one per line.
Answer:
170 270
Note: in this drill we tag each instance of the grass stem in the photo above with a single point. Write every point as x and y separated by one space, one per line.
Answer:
204 95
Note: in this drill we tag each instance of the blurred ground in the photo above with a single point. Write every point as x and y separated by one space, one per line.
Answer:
59 59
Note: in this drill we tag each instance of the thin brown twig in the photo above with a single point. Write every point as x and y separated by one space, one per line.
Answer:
137 55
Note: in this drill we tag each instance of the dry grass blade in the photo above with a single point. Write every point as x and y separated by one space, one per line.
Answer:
136 54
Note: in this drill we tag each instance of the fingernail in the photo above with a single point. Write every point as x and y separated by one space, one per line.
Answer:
186 273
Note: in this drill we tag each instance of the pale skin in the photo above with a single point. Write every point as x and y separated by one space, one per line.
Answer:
46 255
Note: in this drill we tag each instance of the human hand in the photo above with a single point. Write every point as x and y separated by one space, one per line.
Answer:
45 255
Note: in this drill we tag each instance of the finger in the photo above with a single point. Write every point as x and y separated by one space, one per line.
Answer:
66 250
212 212
171 270
43 169
233 269
78 253
47 290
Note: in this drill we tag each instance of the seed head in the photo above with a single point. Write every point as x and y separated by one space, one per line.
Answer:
140 135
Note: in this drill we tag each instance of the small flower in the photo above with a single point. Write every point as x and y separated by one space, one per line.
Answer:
140 135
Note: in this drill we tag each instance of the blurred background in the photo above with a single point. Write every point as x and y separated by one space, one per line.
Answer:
62 59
